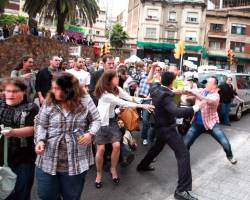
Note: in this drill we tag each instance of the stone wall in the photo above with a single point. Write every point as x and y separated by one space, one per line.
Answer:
13 49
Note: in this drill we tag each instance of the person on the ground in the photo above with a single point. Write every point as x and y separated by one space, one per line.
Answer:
128 144
165 115
64 129
227 95
25 72
207 119
110 96
18 114
44 77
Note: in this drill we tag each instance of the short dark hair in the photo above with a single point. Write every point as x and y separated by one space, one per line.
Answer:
215 79
167 78
106 57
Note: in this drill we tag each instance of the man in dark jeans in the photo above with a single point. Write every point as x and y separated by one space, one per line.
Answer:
166 112
227 94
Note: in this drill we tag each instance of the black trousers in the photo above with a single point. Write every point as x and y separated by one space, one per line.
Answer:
170 136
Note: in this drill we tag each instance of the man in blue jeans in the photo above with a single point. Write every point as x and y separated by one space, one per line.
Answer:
207 119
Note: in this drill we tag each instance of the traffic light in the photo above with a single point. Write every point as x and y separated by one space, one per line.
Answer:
179 49
105 49
231 57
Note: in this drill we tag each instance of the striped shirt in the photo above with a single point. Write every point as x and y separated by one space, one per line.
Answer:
52 126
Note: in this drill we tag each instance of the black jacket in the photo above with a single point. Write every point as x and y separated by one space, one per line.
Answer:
166 110
226 93
43 81
93 81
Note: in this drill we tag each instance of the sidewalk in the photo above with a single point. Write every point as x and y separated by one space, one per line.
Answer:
217 179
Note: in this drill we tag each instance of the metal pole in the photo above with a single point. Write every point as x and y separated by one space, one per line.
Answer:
181 64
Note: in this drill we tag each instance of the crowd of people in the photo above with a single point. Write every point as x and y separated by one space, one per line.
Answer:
64 118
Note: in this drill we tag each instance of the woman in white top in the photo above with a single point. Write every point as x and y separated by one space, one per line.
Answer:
110 96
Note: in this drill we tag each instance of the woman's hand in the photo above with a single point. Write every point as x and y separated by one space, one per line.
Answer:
150 108
39 148
27 76
85 139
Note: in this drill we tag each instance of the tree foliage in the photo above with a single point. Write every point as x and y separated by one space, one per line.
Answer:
11 19
118 36
63 10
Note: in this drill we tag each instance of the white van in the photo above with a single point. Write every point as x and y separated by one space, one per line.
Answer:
241 84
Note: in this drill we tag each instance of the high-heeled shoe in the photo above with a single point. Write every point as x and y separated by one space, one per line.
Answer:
98 185
115 180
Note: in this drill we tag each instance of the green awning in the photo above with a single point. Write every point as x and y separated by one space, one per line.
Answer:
167 45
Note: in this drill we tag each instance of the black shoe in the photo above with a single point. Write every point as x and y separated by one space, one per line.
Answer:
147 168
116 180
98 185
227 124
183 195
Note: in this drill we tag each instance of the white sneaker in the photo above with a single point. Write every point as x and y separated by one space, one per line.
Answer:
145 142
232 160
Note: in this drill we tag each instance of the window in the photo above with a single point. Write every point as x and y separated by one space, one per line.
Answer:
191 36
152 14
150 32
238 47
217 44
238 29
243 82
171 34
192 17
172 16
97 32
216 27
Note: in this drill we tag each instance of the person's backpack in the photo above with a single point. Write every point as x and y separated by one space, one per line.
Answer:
7 176
130 118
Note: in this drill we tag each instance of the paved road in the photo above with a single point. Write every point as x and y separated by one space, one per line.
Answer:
214 178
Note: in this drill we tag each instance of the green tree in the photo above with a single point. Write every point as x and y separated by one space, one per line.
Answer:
3 3
118 36
63 10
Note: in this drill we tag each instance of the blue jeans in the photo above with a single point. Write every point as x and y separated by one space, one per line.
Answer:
50 187
224 112
145 122
217 133
24 182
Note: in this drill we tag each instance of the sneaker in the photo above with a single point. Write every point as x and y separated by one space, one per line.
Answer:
183 195
232 160
145 142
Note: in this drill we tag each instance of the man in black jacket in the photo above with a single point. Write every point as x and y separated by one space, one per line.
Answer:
44 77
166 112
108 61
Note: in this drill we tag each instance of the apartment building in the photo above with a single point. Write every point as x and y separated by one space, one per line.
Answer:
228 30
159 25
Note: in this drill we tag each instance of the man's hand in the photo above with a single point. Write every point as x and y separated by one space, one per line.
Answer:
27 76
39 148
85 139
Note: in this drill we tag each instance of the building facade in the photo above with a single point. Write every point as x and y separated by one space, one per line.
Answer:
15 7
159 25
228 30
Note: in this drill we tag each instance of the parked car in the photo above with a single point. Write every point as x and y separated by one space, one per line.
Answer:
241 84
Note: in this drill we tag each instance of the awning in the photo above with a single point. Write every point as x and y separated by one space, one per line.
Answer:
167 45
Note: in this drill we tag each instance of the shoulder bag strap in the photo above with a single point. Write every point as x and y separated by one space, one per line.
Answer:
5 151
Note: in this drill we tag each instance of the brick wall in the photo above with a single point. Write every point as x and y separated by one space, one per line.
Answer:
13 49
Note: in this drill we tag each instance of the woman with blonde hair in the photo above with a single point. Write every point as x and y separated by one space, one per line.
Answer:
64 129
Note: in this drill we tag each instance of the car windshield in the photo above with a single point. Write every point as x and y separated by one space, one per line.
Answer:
203 78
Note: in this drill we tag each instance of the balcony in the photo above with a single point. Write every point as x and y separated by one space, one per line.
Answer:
221 34
169 40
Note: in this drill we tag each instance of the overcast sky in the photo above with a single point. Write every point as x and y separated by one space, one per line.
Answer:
117 6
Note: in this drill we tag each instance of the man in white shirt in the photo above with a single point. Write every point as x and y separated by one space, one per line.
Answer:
79 73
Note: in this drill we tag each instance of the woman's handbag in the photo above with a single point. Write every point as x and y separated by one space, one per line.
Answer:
7 176
130 118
